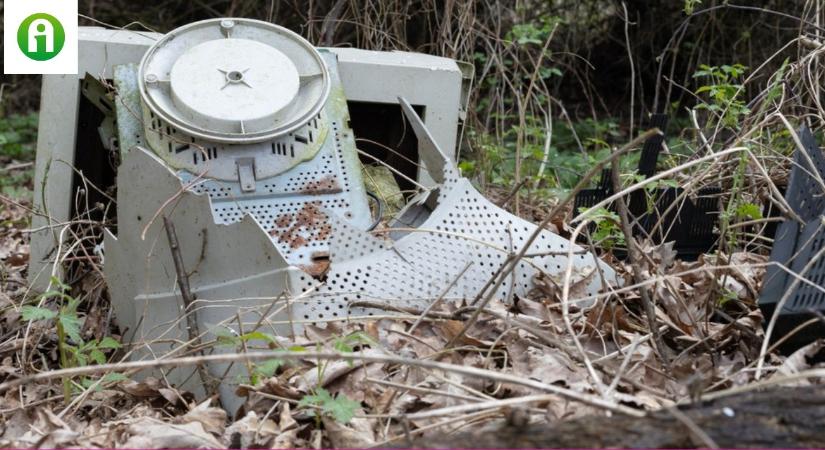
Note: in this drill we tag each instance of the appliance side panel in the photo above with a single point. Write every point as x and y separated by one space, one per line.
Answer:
56 135
424 80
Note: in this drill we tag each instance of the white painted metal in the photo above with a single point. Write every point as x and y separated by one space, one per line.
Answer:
290 185
235 81
434 83
242 282
272 235
371 77
53 172
463 242
236 272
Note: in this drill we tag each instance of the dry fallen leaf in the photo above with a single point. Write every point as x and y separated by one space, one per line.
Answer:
251 432
212 419
151 433
358 433
288 438
799 361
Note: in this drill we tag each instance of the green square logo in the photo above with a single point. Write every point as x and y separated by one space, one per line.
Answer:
41 37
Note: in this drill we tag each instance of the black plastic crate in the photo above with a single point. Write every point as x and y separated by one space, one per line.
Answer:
795 244
689 222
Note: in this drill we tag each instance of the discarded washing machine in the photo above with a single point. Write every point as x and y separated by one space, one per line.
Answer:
245 139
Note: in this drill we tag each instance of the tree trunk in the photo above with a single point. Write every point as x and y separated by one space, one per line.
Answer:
779 417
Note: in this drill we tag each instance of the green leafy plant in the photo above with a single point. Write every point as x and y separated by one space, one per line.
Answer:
608 232
726 296
18 138
348 343
72 349
723 92
263 370
737 208
259 371
748 211
690 6
574 149
340 407
536 33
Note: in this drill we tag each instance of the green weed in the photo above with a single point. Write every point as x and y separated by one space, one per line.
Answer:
73 351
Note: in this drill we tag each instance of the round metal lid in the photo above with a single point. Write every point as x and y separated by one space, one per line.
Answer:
234 81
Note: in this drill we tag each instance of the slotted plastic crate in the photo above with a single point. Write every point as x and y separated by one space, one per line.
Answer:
795 245
688 222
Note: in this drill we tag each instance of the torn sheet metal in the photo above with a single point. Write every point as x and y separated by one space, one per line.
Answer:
292 205
242 282
464 231
272 239
235 271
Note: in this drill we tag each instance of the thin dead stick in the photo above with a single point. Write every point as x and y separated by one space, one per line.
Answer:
777 380
513 192
402 309
188 299
407 387
548 141
440 297
699 433
183 278
409 433
458 409
18 166
350 357
623 367
510 264
178 195
565 312
634 256
626 19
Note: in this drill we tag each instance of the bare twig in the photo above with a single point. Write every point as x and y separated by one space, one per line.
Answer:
634 256
188 300
440 297
510 264
320 356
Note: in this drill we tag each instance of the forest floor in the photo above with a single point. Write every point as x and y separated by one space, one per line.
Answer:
525 365
553 96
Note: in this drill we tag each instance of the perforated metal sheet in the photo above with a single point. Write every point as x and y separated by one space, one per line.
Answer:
215 160
415 270
294 207
237 267
464 231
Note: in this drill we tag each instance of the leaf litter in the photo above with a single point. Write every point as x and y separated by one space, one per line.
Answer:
307 403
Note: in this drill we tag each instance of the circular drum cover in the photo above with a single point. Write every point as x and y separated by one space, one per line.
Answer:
234 81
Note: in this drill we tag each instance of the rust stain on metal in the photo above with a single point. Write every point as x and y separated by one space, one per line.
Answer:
310 223
319 266
324 232
283 220
326 185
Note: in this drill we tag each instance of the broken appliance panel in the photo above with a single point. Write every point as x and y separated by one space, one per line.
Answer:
264 188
